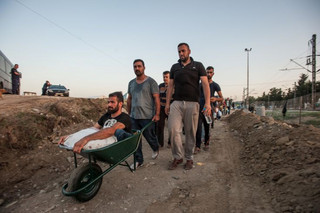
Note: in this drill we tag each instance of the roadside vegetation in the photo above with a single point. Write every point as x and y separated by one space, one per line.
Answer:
297 117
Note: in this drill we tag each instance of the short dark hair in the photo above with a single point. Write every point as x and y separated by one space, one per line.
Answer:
210 68
137 60
184 44
165 72
118 95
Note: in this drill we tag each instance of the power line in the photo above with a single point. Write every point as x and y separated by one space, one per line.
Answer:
289 69
67 31
272 82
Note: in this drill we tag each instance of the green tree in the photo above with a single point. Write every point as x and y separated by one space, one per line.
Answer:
290 94
251 99
304 86
276 94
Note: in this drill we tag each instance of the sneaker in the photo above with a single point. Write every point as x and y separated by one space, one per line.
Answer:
206 148
175 164
137 165
155 154
188 165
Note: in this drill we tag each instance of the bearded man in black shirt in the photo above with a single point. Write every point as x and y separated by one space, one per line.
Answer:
184 110
114 122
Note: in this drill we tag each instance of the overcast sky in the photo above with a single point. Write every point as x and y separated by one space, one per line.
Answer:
89 45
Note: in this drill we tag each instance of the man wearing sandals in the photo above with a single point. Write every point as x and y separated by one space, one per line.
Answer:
184 110
114 122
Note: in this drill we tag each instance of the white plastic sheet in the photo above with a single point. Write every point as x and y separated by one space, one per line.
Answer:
94 144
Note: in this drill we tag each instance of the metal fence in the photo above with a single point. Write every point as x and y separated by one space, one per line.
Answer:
302 102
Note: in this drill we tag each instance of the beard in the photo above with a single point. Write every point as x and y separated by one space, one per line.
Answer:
113 110
184 59
138 72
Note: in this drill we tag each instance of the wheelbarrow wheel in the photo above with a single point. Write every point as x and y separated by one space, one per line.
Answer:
81 177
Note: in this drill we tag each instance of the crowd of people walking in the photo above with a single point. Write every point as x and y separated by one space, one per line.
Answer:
185 99
188 100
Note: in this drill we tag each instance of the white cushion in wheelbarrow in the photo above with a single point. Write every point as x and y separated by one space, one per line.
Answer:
94 144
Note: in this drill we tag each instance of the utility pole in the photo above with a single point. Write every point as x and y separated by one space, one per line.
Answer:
247 100
313 97
313 71
295 95
244 95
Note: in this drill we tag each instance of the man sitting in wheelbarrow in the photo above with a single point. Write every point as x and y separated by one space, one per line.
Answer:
113 123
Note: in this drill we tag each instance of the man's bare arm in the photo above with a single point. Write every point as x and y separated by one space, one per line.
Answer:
206 92
213 99
129 100
169 96
156 99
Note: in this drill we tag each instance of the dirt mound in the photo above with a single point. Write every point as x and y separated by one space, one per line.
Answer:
27 136
285 158
25 129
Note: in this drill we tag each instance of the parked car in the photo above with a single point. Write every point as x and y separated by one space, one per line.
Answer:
58 90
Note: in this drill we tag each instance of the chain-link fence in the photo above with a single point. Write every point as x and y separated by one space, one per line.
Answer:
302 102
297 110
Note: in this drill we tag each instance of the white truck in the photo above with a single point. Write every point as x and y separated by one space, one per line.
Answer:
5 76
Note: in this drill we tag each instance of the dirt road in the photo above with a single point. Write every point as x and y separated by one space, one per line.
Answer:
215 184
254 164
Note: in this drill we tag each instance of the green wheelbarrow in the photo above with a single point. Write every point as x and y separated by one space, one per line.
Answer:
85 181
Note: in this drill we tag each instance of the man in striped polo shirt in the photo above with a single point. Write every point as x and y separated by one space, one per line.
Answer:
163 116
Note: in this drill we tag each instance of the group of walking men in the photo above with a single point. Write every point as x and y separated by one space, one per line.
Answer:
177 99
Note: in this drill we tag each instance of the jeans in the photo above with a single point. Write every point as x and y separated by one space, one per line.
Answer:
206 126
121 134
160 127
149 135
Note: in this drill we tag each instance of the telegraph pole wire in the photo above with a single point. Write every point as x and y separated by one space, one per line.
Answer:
68 32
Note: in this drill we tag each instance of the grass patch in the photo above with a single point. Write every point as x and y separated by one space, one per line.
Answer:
307 117
315 123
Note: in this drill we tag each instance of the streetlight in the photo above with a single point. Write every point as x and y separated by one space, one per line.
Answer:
247 101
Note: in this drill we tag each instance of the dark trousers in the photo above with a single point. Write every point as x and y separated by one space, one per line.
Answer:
15 87
149 135
44 91
201 121
160 127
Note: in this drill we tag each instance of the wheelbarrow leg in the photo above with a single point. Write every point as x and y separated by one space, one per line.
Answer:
75 160
134 161
128 165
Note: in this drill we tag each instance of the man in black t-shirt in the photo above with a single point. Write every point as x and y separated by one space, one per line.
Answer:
184 110
114 122
214 87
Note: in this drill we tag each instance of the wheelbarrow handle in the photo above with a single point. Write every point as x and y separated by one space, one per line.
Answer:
146 126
